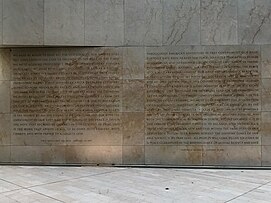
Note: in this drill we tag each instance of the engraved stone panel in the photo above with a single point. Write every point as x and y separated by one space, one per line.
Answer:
205 97
66 97
176 105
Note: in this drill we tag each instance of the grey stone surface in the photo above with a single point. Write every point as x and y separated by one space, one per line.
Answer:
143 22
174 105
254 21
103 184
64 22
104 23
219 22
181 22
23 22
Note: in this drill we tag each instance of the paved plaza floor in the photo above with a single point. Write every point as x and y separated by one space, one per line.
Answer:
29 184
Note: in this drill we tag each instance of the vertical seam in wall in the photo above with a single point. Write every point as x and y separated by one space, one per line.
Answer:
10 103
124 24
84 22
261 112
43 22
2 41
237 19
163 16
200 22
121 112
144 138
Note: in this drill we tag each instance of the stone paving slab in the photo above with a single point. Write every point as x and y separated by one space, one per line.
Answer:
119 184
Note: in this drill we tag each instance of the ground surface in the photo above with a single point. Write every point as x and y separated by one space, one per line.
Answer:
109 184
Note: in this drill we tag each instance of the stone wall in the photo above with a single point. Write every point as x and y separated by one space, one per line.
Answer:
156 82
134 22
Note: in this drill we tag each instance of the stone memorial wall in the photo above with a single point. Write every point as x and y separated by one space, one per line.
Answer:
135 82
174 105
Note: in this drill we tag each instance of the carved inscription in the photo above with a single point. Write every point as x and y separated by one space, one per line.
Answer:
63 96
202 97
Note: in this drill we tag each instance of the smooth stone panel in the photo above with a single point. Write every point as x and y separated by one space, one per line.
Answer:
64 22
266 158
133 124
4 154
23 22
266 96
266 128
173 155
266 61
104 23
133 96
38 154
232 155
5 129
133 155
143 22
219 22
5 64
94 154
133 62
1 22
5 97
254 21
181 22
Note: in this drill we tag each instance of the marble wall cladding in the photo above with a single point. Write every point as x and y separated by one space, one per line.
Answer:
266 61
5 97
1 22
133 124
64 22
143 22
23 22
94 155
134 23
232 155
5 64
266 159
5 129
219 22
181 22
133 155
133 59
38 154
5 154
171 105
104 23
254 21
